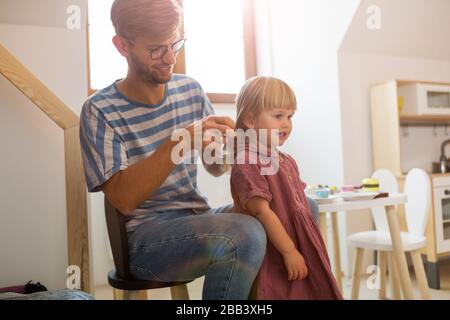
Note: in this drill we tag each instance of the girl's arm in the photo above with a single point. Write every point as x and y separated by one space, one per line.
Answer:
278 236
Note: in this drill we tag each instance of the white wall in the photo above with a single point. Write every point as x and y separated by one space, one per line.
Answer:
33 232
305 38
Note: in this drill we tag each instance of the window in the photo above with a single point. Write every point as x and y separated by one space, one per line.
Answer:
105 64
219 51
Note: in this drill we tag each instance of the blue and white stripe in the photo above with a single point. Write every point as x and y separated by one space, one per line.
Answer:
117 132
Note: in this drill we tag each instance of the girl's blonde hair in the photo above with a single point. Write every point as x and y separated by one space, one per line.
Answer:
263 93
156 19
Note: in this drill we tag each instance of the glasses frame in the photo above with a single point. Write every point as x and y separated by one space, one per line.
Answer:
161 51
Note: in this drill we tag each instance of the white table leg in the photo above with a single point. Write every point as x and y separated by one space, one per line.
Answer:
337 251
399 252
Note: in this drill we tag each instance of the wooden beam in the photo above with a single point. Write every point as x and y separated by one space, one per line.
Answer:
180 65
222 97
76 198
35 90
385 127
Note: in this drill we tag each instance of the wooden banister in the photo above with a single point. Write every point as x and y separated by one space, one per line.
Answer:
76 195
36 91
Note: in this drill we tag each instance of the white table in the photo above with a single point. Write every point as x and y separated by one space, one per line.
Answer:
346 206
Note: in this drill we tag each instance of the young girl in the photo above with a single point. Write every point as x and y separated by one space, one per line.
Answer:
296 265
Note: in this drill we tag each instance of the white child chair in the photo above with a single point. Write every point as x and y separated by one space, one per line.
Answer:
388 183
417 190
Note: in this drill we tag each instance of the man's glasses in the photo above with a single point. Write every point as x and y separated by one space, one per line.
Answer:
161 51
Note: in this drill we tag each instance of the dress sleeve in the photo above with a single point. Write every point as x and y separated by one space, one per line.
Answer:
247 182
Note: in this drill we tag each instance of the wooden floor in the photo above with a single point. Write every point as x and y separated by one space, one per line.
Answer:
195 289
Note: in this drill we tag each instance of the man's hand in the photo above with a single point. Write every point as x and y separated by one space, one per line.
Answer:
295 265
211 122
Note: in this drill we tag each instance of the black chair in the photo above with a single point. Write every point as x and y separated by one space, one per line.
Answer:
120 277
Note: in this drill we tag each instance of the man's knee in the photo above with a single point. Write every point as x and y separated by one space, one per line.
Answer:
251 237
314 209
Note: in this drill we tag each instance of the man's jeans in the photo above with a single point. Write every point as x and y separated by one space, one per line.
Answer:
226 248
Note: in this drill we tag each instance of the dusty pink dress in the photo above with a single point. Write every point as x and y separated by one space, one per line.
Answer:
285 193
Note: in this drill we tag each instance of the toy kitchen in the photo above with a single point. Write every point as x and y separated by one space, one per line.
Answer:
411 129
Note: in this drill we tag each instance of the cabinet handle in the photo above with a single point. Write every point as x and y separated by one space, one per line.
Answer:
447 192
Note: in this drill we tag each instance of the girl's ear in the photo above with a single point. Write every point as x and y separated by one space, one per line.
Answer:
249 121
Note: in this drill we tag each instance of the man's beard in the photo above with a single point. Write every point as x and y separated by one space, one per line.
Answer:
146 74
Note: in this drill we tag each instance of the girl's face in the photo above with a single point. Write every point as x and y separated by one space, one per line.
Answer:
277 118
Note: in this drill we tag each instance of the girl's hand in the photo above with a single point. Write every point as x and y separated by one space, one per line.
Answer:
295 265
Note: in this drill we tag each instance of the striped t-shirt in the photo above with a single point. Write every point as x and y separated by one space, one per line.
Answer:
116 132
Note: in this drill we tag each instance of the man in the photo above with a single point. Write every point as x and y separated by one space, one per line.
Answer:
125 132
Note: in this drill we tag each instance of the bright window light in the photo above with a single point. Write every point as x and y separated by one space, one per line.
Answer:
107 65
215 44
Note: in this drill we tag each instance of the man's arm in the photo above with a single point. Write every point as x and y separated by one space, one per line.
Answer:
128 188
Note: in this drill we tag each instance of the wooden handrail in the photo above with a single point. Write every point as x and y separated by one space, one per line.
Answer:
36 91
76 196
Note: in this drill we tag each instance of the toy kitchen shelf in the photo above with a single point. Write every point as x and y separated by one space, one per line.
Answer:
424 120
423 104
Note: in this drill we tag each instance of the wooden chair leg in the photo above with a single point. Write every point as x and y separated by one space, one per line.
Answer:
394 277
421 278
135 295
117 294
382 257
356 281
179 292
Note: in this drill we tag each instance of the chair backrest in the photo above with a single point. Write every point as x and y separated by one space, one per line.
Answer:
118 239
388 183
418 191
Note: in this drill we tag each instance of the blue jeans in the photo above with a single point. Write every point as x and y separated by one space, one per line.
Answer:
226 248
314 209
65 294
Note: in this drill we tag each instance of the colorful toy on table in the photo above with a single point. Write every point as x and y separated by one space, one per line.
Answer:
321 191
350 188
370 185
